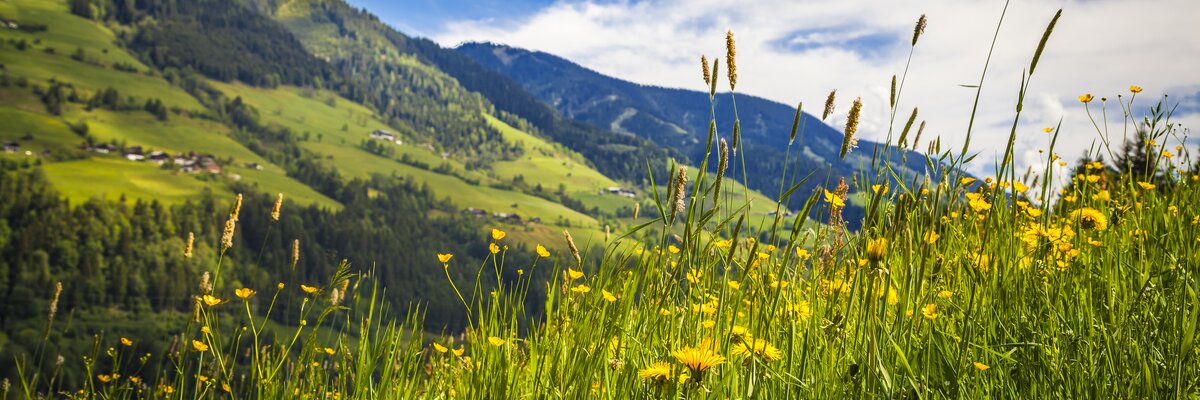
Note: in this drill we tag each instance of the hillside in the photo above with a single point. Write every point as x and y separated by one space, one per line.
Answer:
112 108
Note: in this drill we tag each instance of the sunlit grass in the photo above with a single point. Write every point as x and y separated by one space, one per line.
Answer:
1005 286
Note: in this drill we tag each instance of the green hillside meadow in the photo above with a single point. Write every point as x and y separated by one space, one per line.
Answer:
290 254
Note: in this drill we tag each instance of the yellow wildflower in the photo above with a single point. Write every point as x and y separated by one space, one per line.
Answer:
573 274
1135 89
1020 187
495 341
931 237
445 257
672 249
698 360
541 251
1047 129
1089 218
244 293
493 248
981 366
1146 185
657 373
310 289
876 249
945 294
758 348
834 199
458 352
608 296
498 234
210 300
126 342
802 254
581 289
1086 98
439 348
929 311
199 346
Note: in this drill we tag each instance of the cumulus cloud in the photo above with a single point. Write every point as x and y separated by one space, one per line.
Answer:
792 51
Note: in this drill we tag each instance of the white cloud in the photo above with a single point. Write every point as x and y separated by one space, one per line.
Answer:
1098 46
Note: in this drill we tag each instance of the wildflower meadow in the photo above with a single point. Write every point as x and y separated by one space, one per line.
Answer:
1066 279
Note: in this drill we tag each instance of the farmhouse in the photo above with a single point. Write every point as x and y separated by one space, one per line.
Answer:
619 191
383 135
135 154
11 147
158 157
103 148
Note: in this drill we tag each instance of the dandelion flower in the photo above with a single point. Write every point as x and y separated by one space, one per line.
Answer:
980 366
945 294
931 237
495 341
698 360
608 296
445 257
541 251
1047 129
734 285
199 346
498 234
458 352
802 254
1089 218
929 311
876 249
659 372
758 348
310 289
573 274
439 348
581 289
673 249
330 351
244 293
126 342
1146 185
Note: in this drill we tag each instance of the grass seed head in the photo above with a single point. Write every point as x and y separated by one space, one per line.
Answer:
187 248
919 29
730 60
829 105
851 140
54 299
275 209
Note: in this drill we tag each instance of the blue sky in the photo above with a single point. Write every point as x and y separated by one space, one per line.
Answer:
799 50
427 17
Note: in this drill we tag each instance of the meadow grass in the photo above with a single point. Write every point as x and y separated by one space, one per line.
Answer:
958 287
